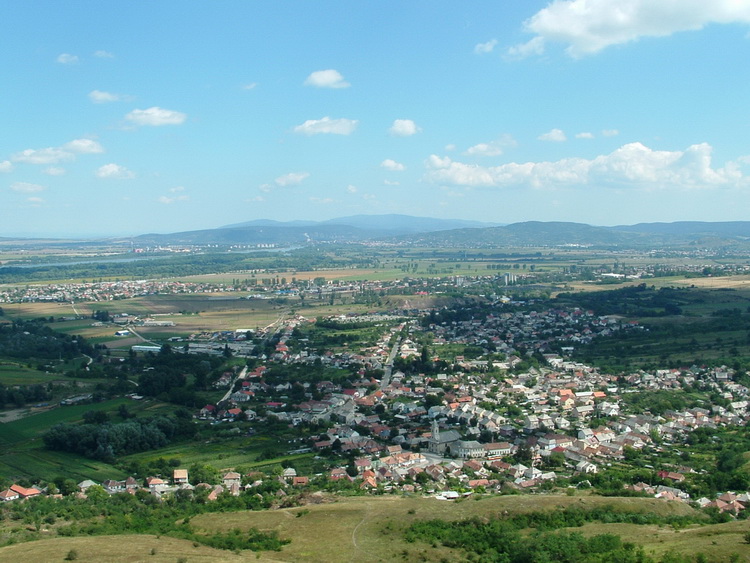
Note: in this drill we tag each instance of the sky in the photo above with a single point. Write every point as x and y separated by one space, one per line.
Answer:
133 117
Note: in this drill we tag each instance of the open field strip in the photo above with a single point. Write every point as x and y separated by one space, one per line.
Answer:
718 541
120 549
371 529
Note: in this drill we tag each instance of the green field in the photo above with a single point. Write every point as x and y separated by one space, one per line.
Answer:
22 453
12 373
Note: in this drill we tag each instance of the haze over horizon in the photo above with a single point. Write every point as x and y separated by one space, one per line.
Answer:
126 118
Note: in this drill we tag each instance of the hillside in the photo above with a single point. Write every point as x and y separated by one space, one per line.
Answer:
372 529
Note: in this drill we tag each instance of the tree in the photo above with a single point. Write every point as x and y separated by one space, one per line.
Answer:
96 417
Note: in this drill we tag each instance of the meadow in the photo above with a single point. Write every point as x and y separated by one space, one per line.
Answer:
371 529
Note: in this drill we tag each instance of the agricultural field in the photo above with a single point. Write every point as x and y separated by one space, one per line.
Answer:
15 373
22 453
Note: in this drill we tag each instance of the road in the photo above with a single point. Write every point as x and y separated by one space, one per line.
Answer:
388 367
242 375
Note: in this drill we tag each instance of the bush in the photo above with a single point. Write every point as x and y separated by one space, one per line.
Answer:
72 555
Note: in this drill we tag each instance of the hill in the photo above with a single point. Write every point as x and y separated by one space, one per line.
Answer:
537 233
372 529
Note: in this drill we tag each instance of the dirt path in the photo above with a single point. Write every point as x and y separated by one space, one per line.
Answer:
14 414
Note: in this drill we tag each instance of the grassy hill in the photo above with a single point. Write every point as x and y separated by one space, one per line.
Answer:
371 529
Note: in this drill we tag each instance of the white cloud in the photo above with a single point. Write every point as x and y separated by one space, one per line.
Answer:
6 166
26 187
610 132
99 97
391 183
103 54
35 201
55 155
632 165
249 86
322 200
67 59
352 189
390 164
54 171
584 135
291 179
156 116
114 171
166 200
50 155
589 26
534 46
484 149
404 128
177 189
556 135
482 48
84 146
340 126
326 79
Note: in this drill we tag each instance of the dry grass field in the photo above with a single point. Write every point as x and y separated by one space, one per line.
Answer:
369 529
118 549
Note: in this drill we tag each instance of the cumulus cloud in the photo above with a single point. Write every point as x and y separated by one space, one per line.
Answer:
341 126
326 79
589 26
6 166
556 135
99 97
55 155
67 59
484 149
114 171
404 128
83 146
156 116
495 148
390 164
50 155
488 47
632 165
584 135
291 179
610 132
26 187
534 46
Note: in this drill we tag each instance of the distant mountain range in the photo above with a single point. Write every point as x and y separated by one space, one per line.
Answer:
400 224
407 230
357 228
687 234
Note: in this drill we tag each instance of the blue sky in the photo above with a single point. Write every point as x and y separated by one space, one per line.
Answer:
133 117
